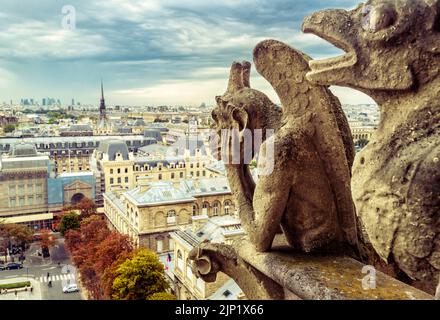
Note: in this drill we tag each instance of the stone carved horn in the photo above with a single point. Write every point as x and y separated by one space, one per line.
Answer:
239 76
235 78
246 74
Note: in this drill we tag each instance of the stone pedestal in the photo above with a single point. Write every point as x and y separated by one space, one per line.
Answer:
286 274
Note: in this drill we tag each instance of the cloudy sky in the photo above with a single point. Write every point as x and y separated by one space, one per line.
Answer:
148 52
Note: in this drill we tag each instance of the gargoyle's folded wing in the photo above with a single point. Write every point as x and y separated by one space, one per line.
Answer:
285 68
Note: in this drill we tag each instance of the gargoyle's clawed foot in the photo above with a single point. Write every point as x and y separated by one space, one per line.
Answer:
210 258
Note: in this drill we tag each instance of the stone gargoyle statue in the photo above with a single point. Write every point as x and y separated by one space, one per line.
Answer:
308 192
393 55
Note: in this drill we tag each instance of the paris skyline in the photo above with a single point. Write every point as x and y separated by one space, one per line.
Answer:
147 52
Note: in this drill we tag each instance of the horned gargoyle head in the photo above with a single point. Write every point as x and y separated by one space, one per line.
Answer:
389 44
242 107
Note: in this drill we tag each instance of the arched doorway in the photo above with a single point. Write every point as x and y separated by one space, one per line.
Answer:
77 197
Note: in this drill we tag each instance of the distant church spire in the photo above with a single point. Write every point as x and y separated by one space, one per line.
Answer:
102 114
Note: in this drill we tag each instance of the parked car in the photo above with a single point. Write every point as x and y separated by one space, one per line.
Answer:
14 265
2 267
70 288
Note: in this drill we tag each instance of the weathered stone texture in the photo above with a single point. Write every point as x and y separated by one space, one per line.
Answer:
393 55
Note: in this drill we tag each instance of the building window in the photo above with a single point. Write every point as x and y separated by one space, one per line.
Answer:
172 175
126 170
181 175
119 180
21 189
179 260
171 217
195 209
171 243
12 190
12 202
160 176
111 180
159 246
191 165
204 173
205 208
189 273
119 170
111 171
215 209
227 205
31 200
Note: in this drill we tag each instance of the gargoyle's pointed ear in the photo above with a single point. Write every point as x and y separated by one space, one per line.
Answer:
246 74
235 78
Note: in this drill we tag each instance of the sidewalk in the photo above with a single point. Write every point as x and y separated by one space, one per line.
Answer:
22 295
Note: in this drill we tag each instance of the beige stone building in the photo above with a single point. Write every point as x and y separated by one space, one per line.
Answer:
32 193
78 162
362 133
149 212
120 169
187 286
23 186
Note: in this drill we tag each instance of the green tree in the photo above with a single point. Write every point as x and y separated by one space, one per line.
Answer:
9 128
162 296
140 277
69 221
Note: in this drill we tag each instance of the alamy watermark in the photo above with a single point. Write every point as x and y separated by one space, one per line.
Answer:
235 147
68 21
369 281
70 271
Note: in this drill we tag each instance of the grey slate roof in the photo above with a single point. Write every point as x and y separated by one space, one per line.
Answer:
206 186
79 127
153 133
112 147
138 123
23 150
158 192
158 149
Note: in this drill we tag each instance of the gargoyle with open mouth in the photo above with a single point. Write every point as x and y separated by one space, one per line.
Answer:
393 55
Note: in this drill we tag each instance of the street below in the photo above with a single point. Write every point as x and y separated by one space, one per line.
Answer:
57 269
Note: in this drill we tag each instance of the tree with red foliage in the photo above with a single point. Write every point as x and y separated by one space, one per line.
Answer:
94 229
91 280
73 240
46 238
95 250
109 250
110 273
87 207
